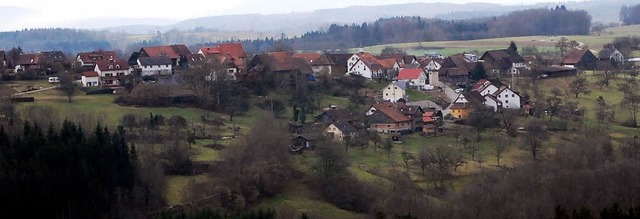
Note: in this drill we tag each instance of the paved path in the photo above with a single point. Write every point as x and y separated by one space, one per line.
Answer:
451 94
35 91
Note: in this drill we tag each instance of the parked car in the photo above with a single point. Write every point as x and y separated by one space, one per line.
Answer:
459 90
428 87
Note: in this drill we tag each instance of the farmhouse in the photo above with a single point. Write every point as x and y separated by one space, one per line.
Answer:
111 71
338 64
457 68
503 62
556 71
580 58
394 91
414 77
155 66
232 49
339 131
40 60
90 58
176 53
387 118
369 67
614 56
320 64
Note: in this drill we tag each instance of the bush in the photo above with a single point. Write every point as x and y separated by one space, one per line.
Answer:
630 123
97 91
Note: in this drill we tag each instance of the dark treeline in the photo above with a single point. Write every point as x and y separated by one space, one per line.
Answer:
63 39
559 21
64 173
630 15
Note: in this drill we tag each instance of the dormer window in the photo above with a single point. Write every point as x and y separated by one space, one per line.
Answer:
117 66
110 66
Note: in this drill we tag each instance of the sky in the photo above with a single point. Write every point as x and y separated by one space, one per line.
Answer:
48 13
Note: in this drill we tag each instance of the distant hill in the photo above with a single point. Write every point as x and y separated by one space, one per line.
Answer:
605 11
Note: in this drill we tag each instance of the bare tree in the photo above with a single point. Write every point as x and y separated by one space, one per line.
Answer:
508 119
580 86
67 85
631 99
407 157
440 165
500 147
554 103
388 146
535 136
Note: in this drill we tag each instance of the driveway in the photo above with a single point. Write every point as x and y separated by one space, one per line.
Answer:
451 94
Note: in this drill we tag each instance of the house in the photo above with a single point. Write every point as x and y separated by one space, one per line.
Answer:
477 101
176 53
388 118
556 71
230 66
402 59
90 79
580 58
320 64
414 77
279 63
232 49
509 98
333 115
457 68
394 91
429 120
529 60
90 58
338 64
413 112
303 141
339 131
432 67
611 54
155 66
503 62
369 67
111 71
460 110
41 60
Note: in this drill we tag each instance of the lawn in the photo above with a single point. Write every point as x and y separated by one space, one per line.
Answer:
543 43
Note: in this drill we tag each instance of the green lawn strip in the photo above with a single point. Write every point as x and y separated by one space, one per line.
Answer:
177 188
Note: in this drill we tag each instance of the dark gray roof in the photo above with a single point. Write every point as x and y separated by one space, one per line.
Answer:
163 60
345 127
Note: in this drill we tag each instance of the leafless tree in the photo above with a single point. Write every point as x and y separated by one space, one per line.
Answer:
440 165
500 148
535 136
580 86
508 119
407 157
67 85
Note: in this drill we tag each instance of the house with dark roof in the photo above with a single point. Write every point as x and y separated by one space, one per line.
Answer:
340 130
412 111
41 60
395 91
90 58
388 118
503 62
111 71
161 65
614 56
580 58
556 71
176 53
432 67
333 115
338 64
402 59
320 64
414 77
457 68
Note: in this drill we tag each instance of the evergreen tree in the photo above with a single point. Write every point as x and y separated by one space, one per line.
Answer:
479 72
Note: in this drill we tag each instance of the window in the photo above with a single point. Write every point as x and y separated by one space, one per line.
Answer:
389 88
513 95
388 126
117 66
506 101
167 66
110 66
499 96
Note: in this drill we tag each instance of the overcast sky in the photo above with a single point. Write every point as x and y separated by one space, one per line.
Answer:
45 13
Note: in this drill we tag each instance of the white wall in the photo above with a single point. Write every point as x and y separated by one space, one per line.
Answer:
509 99
90 81
393 93
361 69
490 102
155 69
489 90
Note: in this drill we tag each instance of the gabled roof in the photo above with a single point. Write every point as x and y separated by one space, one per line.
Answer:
459 61
391 111
340 115
112 65
91 57
387 63
282 61
52 56
409 74
606 53
454 71
474 98
313 59
370 61
229 60
573 56
90 74
162 60
502 89
233 49
172 51
481 84
345 127
503 58
339 59
28 59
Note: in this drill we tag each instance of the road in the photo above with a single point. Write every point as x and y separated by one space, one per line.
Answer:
35 91
451 94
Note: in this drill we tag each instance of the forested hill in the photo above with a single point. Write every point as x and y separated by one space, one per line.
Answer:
66 40
559 21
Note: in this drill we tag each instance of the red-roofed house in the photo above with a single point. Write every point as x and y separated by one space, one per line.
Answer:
368 66
90 58
580 59
112 71
388 118
232 49
320 64
90 79
176 53
415 77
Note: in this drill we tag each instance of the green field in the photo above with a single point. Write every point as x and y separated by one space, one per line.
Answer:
543 43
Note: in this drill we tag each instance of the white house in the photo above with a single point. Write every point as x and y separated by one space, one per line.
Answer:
394 91
368 66
492 102
90 79
415 77
509 99
155 66
111 71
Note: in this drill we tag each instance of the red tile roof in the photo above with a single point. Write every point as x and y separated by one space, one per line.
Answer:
90 74
233 49
283 61
28 59
428 119
392 111
387 63
172 51
112 65
314 59
409 74
91 57
573 56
